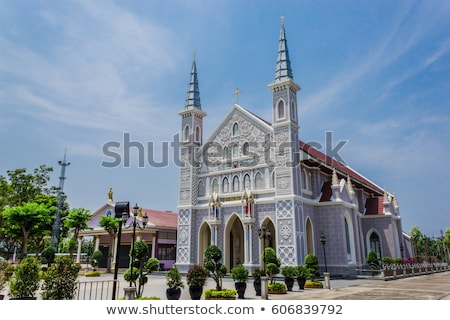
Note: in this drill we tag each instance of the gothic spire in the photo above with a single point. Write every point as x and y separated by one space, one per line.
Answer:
193 92
283 68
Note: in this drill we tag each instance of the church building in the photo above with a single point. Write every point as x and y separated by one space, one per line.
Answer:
254 184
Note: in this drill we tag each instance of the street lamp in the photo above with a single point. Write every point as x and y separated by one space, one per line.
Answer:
134 224
323 240
264 234
119 210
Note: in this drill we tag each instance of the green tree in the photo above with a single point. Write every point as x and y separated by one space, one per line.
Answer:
76 221
21 187
214 266
27 220
142 266
60 280
111 225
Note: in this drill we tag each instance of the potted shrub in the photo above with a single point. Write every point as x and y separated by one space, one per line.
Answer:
277 288
240 277
289 275
60 280
224 294
256 275
301 273
6 271
312 264
196 279
214 266
174 283
25 281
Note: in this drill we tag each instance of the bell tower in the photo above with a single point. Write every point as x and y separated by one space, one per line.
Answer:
287 166
191 139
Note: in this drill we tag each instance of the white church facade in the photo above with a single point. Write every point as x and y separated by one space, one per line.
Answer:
252 175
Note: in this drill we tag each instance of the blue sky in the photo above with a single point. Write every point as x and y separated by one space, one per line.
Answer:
77 74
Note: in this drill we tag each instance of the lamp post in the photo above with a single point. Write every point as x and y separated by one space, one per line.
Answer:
119 210
264 233
323 240
326 275
134 224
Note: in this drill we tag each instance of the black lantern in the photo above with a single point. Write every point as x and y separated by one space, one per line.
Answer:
323 240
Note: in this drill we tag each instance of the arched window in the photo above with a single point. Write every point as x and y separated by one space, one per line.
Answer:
201 189
235 150
186 133
306 180
259 181
347 239
245 149
247 184
215 185
198 134
280 109
225 185
235 184
235 129
293 111
225 153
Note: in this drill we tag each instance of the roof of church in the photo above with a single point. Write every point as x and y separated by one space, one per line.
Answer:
340 167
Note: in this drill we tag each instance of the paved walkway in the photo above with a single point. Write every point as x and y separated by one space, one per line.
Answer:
426 287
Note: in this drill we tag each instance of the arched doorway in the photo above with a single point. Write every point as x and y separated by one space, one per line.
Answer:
204 238
374 243
270 241
309 237
234 242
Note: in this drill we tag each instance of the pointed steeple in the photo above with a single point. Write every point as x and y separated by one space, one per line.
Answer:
193 93
283 68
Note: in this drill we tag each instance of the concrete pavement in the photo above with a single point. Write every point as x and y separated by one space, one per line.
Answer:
425 287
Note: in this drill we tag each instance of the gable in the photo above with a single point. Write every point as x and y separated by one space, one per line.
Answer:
240 136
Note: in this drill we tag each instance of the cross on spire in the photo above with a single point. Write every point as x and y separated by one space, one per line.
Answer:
236 93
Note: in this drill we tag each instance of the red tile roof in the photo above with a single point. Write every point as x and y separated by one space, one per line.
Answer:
340 167
161 219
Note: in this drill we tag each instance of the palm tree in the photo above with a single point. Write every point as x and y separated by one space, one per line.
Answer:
76 221
111 225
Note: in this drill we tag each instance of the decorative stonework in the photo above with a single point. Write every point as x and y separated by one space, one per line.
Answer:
285 231
287 255
284 209
183 255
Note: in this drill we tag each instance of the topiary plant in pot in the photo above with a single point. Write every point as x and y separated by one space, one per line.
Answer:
25 281
289 276
240 277
256 275
196 279
174 283
301 273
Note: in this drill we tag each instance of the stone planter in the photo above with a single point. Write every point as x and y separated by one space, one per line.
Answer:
240 287
173 294
195 292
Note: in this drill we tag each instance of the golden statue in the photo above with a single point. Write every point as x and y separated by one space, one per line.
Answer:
110 195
